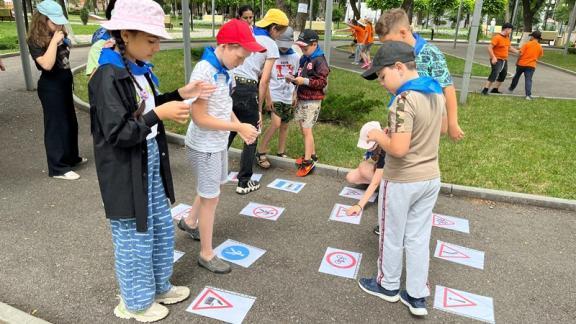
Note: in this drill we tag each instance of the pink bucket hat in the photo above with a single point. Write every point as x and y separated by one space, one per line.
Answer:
141 15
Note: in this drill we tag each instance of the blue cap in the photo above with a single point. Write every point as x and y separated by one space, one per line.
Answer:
53 11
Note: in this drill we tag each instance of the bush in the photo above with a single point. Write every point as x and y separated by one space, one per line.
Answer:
167 9
84 15
197 53
346 108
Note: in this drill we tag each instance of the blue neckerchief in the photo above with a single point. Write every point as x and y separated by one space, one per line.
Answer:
420 43
317 53
422 84
109 56
260 32
210 57
101 34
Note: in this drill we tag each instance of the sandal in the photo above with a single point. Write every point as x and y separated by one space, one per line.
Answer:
262 160
282 155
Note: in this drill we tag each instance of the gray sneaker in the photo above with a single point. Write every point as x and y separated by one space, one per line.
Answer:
194 233
215 265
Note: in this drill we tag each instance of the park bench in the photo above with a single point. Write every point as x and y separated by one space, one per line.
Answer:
6 15
549 37
168 22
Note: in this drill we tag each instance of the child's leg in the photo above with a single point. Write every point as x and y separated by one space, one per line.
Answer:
192 219
417 238
206 226
274 125
282 136
308 143
396 203
361 175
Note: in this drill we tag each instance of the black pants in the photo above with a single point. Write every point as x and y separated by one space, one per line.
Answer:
528 73
245 101
499 71
60 124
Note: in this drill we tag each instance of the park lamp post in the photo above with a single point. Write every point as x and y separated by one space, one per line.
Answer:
549 6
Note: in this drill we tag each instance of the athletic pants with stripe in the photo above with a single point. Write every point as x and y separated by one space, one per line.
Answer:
144 260
406 225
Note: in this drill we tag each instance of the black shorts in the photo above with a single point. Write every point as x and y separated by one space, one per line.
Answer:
499 71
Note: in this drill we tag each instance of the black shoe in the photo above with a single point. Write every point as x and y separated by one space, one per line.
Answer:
484 92
245 187
351 56
377 230
495 90
194 233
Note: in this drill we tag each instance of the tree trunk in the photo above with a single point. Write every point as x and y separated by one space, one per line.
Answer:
281 4
301 17
354 5
408 6
530 8
321 8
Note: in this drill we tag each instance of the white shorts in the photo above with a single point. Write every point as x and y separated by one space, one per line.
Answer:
210 170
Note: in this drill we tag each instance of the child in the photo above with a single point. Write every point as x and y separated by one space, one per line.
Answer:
282 93
99 40
411 175
50 50
526 64
359 30
498 50
394 25
132 161
311 81
207 136
252 89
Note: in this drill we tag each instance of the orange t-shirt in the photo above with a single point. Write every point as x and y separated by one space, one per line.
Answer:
370 34
360 34
531 52
500 46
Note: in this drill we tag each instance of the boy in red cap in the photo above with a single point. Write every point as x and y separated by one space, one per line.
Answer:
207 136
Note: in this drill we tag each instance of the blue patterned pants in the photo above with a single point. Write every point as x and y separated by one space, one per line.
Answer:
144 261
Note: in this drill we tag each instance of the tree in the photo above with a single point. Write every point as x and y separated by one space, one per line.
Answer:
301 17
408 6
494 7
383 4
529 9
355 10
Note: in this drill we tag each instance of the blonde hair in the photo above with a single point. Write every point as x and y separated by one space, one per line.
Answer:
391 20
39 32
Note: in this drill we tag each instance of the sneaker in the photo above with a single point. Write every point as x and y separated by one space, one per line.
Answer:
484 92
194 233
301 159
355 63
175 295
351 56
154 313
377 230
247 187
282 155
417 306
215 265
529 98
372 287
366 66
70 175
305 168
495 90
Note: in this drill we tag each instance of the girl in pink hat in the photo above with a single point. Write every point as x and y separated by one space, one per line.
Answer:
132 161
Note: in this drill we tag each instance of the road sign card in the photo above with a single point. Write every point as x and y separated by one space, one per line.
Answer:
287 185
356 194
222 305
239 253
459 254
233 176
180 211
451 222
178 255
341 263
339 214
262 211
465 304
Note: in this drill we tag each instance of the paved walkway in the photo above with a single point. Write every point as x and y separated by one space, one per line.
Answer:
57 257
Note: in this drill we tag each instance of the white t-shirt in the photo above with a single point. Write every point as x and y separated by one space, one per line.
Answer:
219 106
253 64
280 90
150 102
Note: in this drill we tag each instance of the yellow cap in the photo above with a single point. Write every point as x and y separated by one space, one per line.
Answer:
273 16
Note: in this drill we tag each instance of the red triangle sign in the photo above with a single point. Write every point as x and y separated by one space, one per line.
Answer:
454 299
448 252
211 300
441 221
341 212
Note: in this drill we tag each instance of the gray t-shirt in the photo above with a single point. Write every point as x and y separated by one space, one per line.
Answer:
253 64
219 106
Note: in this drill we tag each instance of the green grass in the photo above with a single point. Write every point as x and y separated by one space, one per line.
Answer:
555 57
507 145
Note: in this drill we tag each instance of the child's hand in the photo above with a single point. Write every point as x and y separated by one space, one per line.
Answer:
197 89
269 105
374 134
248 133
298 81
58 36
177 111
354 210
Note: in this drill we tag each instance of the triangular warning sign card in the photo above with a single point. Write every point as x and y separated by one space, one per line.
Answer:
341 212
454 299
441 221
449 252
211 300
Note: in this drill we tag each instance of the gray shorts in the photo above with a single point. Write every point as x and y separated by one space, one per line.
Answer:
210 170
307 112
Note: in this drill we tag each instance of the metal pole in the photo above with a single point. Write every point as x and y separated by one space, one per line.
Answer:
514 16
458 22
571 23
186 39
470 51
213 22
310 13
24 54
328 30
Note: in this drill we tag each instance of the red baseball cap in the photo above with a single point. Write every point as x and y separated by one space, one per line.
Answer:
237 31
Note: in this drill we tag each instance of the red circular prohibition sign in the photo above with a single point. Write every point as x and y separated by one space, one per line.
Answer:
341 266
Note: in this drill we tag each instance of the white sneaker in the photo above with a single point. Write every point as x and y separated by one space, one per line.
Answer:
82 161
175 295
70 175
154 313
528 98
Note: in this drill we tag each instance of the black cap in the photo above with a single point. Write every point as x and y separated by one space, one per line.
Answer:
507 25
307 37
536 34
388 54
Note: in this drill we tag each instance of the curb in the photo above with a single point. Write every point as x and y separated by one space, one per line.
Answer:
340 172
11 315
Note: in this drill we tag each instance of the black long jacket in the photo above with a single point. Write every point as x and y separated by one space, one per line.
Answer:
120 148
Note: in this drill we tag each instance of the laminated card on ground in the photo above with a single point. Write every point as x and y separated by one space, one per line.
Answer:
459 254
180 211
178 255
341 263
339 214
223 305
233 176
262 211
239 253
464 304
354 193
451 222
287 185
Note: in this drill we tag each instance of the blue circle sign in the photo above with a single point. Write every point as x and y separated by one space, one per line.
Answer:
235 252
